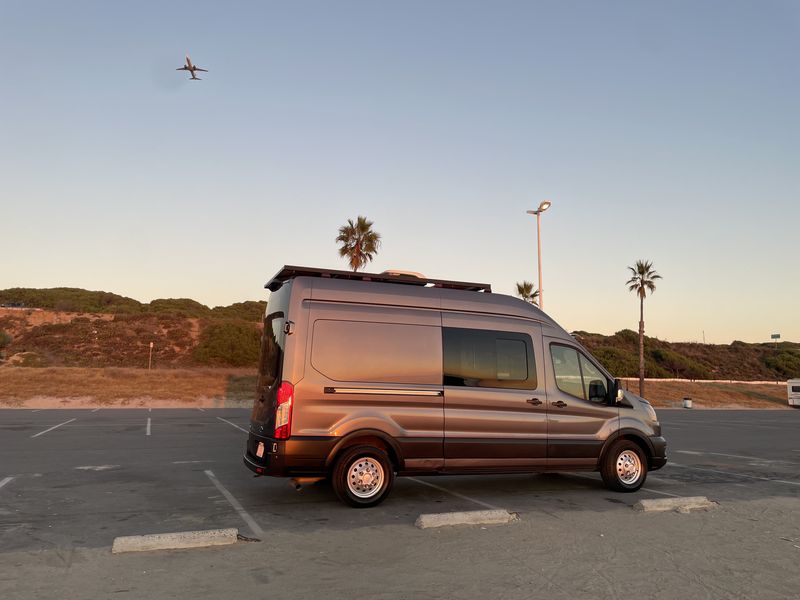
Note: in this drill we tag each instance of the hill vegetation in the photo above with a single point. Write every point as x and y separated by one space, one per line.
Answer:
86 301
71 327
80 328
736 361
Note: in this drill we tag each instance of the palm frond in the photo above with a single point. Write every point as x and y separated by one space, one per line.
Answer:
643 278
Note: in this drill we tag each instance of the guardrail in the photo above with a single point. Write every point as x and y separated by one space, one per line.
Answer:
657 379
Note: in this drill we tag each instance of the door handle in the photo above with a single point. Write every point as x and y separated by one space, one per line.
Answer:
560 404
534 401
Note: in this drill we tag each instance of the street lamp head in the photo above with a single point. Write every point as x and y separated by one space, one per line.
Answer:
542 207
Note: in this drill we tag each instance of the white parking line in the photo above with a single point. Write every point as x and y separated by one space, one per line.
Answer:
202 409
456 494
641 489
51 429
698 453
96 467
148 426
5 481
674 464
233 424
659 492
37 410
95 410
251 523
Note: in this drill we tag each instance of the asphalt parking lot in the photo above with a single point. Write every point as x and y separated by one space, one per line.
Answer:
73 480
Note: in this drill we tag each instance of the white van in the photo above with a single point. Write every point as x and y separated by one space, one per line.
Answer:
793 388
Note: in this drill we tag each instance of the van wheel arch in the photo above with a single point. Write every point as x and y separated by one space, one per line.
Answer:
633 436
368 437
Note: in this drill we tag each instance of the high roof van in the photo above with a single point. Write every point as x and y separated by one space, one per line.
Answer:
364 376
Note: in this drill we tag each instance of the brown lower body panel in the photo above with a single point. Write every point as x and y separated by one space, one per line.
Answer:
310 456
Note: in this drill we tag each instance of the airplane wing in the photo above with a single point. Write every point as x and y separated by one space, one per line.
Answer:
182 69
199 69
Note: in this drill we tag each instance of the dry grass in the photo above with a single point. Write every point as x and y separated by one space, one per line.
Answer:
713 395
118 385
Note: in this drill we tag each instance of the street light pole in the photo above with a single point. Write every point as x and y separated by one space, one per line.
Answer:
538 212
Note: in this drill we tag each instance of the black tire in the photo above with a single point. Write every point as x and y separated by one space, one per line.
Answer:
362 460
619 465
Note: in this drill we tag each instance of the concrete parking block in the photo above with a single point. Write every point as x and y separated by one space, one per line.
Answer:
472 517
174 541
681 504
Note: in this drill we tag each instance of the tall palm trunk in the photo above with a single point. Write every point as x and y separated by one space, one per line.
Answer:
643 279
641 346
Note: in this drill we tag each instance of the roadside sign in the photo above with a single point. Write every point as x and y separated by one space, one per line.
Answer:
776 336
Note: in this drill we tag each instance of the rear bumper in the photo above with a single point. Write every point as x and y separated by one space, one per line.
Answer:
288 458
659 458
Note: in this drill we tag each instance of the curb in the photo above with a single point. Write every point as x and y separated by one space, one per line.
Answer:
473 517
682 505
174 541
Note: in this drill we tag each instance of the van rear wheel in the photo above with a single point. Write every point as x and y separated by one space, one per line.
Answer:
363 476
624 467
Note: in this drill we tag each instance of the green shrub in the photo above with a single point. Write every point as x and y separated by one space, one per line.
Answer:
786 363
79 300
246 311
5 339
229 343
627 336
69 299
619 363
179 306
675 364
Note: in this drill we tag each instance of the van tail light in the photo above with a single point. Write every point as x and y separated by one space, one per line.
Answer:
283 414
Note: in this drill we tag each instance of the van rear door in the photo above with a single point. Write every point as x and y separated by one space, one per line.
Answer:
270 364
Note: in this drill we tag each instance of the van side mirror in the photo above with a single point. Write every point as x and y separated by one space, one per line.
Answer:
619 393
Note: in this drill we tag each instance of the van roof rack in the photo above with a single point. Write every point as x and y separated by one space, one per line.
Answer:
290 272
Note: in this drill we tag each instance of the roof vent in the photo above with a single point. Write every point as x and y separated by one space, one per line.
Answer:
396 273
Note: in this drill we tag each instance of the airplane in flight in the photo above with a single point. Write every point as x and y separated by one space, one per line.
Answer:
191 68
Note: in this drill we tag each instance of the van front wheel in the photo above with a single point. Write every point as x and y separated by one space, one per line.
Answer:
624 467
363 476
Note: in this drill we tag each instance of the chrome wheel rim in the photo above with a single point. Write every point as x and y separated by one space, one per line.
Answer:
365 477
629 467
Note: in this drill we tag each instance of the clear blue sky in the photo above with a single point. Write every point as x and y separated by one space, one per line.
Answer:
665 131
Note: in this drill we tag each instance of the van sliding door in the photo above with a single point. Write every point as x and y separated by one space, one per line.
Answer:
495 406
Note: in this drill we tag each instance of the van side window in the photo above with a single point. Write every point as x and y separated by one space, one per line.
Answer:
577 376
272 343
567 369
368 352
481 358
595 385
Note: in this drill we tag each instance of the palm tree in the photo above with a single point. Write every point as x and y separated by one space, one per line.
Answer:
359 243
642 280
526 292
